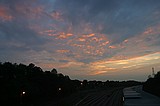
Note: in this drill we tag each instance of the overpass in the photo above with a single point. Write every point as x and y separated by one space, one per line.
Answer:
135 96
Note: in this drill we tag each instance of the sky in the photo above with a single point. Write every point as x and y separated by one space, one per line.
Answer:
85 39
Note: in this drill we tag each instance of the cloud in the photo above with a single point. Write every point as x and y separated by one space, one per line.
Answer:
63 61
62 51
79 36
20 36
139 61
4 14
113 17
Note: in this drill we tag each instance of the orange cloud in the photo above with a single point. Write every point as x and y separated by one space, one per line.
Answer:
90 35
92 44
98 72
4 14
131 63
62 51
50 31
30 11
56 34
77 45
125 41
151 30
56 15
63 35
120 57
148 31
82 39
95 39
100 68
112 47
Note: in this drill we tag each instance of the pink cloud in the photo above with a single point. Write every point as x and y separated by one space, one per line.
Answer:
112 47
30 12
5 14
56 15
62 51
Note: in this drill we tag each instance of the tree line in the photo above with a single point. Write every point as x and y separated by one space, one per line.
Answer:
152 85
26 84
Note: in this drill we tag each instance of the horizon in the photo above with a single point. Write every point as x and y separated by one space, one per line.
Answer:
85 39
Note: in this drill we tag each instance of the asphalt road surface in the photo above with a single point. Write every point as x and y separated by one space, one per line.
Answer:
146 99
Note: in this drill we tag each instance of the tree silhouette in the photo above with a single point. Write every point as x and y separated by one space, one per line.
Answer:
152 84
54 71
28 84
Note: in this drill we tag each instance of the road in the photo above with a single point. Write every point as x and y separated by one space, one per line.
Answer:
146 99
102 98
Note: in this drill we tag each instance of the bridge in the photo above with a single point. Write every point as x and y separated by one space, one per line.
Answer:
135 96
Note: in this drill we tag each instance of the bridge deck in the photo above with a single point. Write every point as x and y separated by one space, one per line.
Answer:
145 98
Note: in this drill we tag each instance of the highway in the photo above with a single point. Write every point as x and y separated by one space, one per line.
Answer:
146 99
134 96
102 98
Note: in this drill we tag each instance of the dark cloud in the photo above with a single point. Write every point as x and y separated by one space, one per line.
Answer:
63 61
16 33
82 11
19 36
120 19
156 42
86 60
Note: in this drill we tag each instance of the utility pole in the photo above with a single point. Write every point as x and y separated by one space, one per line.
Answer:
153 74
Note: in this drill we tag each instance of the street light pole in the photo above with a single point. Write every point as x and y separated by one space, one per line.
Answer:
22 94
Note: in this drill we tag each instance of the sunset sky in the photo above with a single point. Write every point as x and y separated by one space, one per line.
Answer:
85 39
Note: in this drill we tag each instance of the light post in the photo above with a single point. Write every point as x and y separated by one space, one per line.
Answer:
22 94
59 89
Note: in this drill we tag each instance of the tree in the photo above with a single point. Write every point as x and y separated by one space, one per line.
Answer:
54 71
31 65
157 75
